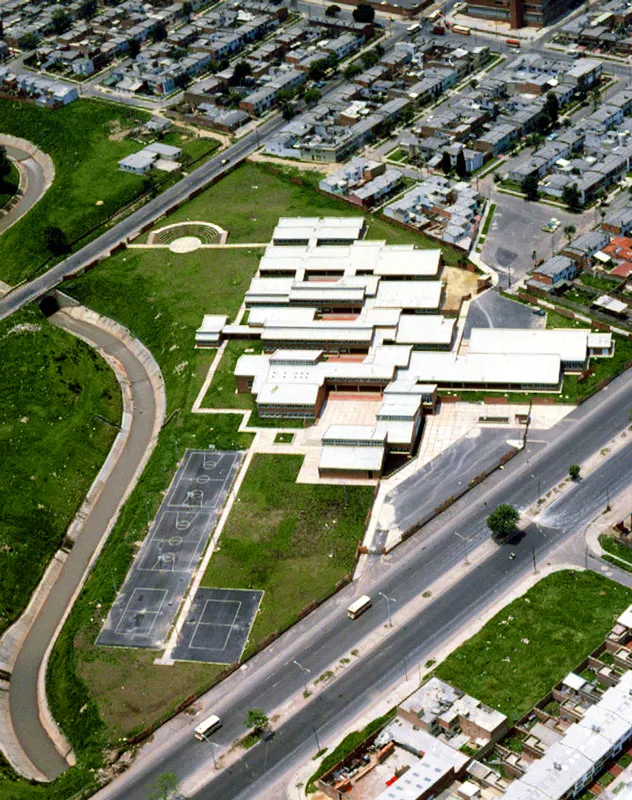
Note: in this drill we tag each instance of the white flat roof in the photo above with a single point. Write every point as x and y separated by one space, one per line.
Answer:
280 314
409 294
283 393
352 433
351 458
404 260
308 356
425 329
318 333
625 619
313 228
570 345
212 323
477 368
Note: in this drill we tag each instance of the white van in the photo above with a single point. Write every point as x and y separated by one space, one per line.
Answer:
359 606
206 728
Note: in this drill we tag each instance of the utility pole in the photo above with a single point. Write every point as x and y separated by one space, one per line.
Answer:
535 568
305 672
316 737
388 607
465 541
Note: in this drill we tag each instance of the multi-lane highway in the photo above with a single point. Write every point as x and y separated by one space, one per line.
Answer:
272 679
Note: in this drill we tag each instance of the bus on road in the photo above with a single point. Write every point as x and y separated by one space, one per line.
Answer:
359 606
461 29
207 727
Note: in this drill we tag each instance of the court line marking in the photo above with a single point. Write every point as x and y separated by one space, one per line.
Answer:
213 624
163 592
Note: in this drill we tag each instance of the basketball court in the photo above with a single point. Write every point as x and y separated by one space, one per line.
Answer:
147 603
218 625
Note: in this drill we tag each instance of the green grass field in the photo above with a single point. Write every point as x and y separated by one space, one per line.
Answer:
52 444
9 186
564 617
623 554
279 538
78 139
249 201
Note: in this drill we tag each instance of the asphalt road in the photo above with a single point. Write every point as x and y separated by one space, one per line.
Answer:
34 190
272 679
23 700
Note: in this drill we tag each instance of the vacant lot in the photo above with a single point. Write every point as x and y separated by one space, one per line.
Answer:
54 393
293 541
533 642
249 201
88 185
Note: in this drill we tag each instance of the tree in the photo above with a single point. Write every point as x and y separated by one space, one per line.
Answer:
164 786
370 58
56 240
355 69
595 97
332 10
446 162
312 96
503 521
159 32
60 21
5 165
133 47
257 720
29 41
318 69
241 71
187 10
364 13
461 166
87 9
552 107
574 471
569 232
529 186
570 195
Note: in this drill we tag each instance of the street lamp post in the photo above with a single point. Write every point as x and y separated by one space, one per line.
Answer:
212 744
465 541
317 741
305 672
389 600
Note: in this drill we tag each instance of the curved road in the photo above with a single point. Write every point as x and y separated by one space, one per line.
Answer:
23 693
35 187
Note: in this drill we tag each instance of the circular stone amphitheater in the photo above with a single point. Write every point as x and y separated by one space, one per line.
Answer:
185 237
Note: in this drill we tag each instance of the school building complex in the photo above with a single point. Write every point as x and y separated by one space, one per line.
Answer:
334 312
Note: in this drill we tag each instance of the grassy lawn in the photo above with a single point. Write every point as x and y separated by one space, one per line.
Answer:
279 538
249 201
222 393
9 186
564 617
555 320
488 219
399 155
603 368
78 139
623 554
52 443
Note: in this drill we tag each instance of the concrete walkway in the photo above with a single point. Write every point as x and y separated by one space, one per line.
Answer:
29 736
